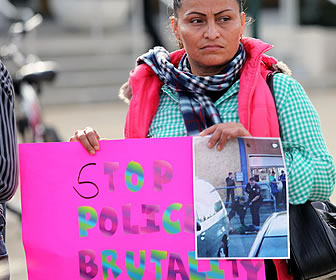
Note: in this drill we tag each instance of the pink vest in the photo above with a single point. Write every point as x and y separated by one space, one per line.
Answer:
256 108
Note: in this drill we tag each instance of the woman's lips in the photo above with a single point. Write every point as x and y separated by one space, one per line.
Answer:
211 47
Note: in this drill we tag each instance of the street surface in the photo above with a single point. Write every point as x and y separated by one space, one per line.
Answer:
108 118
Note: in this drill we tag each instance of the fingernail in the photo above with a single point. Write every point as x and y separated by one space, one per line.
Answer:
92 152
219 147
96 148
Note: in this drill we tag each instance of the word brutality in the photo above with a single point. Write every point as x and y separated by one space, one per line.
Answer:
176 267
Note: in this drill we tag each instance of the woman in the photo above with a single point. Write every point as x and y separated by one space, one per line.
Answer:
215 85
274 187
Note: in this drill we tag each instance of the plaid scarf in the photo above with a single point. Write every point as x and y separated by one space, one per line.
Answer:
197 108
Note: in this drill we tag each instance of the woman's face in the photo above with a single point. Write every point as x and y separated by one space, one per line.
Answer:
210 32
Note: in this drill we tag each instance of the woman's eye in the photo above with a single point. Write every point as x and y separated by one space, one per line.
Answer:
223 19
196 20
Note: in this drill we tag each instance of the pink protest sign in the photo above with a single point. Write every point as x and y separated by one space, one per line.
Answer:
125 213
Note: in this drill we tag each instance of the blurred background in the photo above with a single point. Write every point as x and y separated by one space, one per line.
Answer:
68 66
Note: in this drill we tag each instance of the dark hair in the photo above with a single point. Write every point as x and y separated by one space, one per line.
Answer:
177 5
230 173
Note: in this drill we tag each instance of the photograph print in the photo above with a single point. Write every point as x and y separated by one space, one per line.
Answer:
241 200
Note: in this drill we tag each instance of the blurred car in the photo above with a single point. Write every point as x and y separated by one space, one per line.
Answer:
212 224
272 239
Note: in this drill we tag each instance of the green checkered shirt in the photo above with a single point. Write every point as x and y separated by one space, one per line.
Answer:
310 168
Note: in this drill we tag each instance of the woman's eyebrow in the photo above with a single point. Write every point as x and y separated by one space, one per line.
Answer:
195 13
202 14
225 10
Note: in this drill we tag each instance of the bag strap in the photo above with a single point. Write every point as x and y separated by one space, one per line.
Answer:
269 81
283 270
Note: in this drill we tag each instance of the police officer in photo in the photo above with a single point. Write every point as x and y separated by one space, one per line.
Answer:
282 179
254 201
238 206
230 183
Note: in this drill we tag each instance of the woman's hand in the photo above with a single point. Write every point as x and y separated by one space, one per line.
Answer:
89 138
221 133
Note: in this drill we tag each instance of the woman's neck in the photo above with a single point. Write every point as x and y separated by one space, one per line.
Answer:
199 70
207 72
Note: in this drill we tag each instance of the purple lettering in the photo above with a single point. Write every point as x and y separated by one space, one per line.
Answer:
161 177
252 270
109 168
108 214
172 273
88 268
150 211
128 228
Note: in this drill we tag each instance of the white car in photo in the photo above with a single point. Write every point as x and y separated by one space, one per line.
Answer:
212 224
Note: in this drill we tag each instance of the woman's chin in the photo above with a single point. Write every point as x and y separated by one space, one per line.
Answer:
214 60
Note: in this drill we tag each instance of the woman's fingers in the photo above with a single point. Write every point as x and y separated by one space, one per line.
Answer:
214 138
221 133
222 141
209 130
83 139
89 138
92 137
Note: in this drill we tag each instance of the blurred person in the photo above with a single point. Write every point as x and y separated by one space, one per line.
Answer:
8 10
8 160
256 177
282 179
274 187
216 85
238 206
149 7
254 201
230 191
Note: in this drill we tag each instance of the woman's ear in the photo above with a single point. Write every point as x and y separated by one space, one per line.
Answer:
242 23
174 26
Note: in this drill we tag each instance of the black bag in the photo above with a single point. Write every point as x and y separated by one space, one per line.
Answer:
312 229
313 240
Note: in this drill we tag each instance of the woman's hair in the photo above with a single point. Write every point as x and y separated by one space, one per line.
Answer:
177 5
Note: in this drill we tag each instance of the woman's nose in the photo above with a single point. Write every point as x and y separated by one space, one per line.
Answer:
211 32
